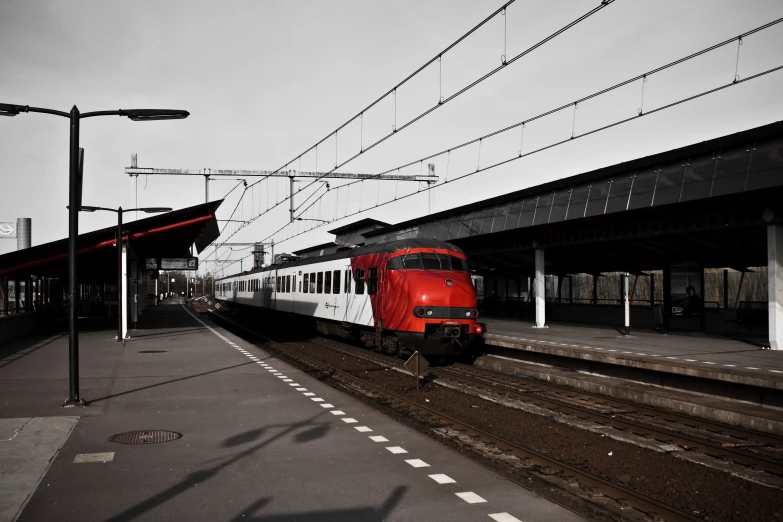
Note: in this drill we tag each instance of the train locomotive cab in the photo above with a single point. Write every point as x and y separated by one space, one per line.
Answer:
433 306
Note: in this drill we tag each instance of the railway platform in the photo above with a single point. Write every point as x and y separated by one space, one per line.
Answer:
719 378
259 439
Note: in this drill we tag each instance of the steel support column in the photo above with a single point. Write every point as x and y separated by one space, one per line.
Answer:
122 288
73 251
775 284
540 290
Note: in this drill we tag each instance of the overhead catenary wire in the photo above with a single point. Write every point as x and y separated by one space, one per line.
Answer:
392 91
570 139
596 94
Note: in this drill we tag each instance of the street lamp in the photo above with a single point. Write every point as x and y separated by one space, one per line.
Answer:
119 211
74 197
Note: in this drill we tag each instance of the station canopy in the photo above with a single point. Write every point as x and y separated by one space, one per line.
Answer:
709 201
161 235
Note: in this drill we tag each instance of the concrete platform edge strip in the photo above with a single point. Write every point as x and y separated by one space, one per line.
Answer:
727 375
647 398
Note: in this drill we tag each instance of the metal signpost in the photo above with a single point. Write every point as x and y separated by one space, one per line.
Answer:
416 365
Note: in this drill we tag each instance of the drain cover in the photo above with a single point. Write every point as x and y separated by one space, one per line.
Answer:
145 437
152 351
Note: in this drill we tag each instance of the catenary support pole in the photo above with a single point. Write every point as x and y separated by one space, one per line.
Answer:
775 284
540 291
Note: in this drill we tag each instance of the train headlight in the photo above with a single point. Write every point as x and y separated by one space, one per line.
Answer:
429 312
449 282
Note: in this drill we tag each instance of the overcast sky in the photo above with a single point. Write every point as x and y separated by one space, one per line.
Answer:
265 80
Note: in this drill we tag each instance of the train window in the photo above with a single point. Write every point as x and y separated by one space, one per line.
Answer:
411 261
277 287
359 281
293 280
328 282
433 262
394 263
372 281
336 282
312 282
306 282
288 283
320 284
347 278
300 287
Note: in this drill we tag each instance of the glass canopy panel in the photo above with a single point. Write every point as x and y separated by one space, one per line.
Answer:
514 211
466 224
499 223
618 194
542 209
479 224
766 166
730 172
560 206
576 209
669 184
596 201
642 190
528 211
698 178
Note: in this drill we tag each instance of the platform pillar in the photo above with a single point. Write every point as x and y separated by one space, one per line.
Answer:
540 289
626 306
122 289
775 284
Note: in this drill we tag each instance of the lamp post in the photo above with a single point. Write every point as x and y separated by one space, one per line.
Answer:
119 211
74 199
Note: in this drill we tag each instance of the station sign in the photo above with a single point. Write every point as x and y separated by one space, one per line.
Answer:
151 264
7 230
179 263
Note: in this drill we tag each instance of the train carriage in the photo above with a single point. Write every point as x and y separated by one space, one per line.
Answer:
412 293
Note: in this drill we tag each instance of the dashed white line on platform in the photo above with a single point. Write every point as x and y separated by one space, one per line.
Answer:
708 362
751 368
611 350
470 497
327 405
300 389
776 371
440 478
503 517
378 438
637 353
316 399
288 380
338 412
281 376
362 429
309 394
295 384
730 365
675 358
396 450
691 360
417 463
627 352
349 420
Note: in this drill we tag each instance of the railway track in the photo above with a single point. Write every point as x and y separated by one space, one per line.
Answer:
719 441
589 484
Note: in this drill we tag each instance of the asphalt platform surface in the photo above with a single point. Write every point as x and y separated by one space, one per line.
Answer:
261 441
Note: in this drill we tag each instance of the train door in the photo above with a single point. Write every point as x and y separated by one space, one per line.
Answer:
349 296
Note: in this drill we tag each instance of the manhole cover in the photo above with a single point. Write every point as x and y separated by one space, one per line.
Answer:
145 437
152 351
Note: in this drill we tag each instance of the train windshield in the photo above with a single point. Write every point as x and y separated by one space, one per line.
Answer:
427 261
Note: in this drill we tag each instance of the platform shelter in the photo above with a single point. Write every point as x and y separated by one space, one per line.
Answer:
702 220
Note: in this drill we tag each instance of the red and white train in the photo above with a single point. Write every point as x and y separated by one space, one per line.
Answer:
412 292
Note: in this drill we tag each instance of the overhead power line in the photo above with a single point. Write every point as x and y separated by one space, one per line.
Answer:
441 101
642 77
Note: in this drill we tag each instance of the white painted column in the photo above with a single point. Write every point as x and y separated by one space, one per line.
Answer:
626 306
775 284
540 290
123 291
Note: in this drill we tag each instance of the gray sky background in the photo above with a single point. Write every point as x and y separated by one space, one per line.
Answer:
265 80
